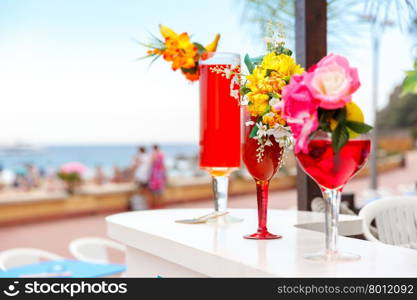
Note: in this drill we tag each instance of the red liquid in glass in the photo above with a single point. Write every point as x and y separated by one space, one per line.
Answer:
219 121
262 171
332 170
271 160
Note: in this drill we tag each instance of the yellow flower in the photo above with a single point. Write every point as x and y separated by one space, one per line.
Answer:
283 64
256 79
258 103
267 80
353 113
212 47
275 83
167 32
272 118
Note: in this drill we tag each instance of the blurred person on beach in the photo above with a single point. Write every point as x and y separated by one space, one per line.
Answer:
142 161
157 178
99 176
20 180
141 169
32 176
52 182
117 175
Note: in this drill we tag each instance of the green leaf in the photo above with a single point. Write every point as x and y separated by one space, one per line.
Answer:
200 48
254 131
340 137
358 127
244 90
273 95
249 64
268 72
267 110
340 114
410 83
257 60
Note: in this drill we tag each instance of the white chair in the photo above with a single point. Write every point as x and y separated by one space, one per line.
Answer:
395 219
93 249
24 256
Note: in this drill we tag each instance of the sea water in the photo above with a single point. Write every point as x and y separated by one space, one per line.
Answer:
105 156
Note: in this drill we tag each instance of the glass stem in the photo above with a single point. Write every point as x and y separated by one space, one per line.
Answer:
332 204
262 197
220 191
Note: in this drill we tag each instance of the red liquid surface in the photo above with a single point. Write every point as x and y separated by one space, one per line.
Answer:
271 160
219 121
332 170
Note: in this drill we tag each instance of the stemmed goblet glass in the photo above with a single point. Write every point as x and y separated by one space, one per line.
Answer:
262 172
331 171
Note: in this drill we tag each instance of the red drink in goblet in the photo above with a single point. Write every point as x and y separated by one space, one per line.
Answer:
331 171
262 172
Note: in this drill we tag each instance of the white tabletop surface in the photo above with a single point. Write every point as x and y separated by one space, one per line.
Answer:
218 250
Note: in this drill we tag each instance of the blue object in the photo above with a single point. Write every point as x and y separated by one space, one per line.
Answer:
64 268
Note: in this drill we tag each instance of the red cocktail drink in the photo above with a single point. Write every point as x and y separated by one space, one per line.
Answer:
333 170
262 171
219 120
219 124
265 169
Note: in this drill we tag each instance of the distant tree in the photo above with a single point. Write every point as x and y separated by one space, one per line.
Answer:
401 111
347 19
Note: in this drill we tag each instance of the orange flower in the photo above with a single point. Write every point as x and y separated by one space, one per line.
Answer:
179 50
192 76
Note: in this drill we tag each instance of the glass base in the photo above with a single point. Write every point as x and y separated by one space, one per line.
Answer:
225 219
332 257
212 218
262 235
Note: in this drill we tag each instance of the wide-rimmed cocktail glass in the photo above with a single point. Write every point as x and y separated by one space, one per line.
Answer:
262 172
331 171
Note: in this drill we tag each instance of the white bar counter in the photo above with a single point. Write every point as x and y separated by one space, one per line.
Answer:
157 246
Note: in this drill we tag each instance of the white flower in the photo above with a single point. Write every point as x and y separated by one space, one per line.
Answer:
234 93
274 102
244 100
280 132
227 72
268 142
270 114
262 130
249 123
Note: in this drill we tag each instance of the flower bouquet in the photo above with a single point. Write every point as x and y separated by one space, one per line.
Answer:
71 173
265 133
331 141
180 51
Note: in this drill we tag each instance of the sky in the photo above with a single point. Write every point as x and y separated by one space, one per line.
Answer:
69 72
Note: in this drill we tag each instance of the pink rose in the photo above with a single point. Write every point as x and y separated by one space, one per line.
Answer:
299 110
332 81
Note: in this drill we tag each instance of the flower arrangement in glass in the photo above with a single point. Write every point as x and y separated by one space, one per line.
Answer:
265 133
71 173
331 141
180 51
219 111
